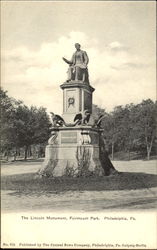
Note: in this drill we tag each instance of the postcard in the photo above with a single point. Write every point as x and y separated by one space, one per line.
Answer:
78 102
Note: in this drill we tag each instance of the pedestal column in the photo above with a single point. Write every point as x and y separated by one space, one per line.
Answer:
77 97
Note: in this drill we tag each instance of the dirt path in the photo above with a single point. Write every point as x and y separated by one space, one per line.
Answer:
82 201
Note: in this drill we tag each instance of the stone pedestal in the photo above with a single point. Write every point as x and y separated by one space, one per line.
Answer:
76 147
73 151
77 97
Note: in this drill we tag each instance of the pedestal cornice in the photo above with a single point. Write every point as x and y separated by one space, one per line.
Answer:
84 128
77 84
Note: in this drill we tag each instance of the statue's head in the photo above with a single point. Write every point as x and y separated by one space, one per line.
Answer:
77 46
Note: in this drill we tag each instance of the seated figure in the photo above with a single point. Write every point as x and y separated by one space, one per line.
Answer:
78 65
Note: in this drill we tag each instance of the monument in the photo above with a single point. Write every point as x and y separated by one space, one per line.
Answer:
75 147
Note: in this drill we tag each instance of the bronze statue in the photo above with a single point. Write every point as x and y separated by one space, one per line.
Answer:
82 118
57 120
78 65
98 121
79 119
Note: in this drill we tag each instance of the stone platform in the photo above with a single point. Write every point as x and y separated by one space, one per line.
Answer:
73 151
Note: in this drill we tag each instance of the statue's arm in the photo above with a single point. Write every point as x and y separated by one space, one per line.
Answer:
86 59
67 61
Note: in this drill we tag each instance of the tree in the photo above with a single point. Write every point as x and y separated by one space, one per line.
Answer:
32 126
145 118
97 111
113 129
128 133
7 119
103 154
22 126
109 126
132 127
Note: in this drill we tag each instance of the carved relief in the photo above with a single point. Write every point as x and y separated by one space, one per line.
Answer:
85 138
71 101
53 139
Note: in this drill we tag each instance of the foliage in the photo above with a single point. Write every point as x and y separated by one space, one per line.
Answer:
131 128
145 117
97 111
22 126
8 110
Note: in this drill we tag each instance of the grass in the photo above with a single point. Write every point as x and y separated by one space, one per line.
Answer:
134 187
28 183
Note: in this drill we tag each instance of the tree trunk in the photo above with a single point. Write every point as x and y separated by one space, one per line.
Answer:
149 148
38 156
26 151
15 154
129 155
30 151
148 154
112 151
7 154
19 152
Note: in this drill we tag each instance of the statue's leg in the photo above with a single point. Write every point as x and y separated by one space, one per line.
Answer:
69 74
77 73
83 75
87 76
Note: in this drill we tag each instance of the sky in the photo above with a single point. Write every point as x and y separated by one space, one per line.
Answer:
118 36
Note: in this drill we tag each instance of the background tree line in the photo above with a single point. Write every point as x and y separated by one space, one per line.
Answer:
22 128
127 129
131 129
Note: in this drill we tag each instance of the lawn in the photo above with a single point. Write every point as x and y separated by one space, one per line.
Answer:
134 187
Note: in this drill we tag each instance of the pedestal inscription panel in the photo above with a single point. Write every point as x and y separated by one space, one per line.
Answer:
68 137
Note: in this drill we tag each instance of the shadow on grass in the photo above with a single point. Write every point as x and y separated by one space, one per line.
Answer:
27 184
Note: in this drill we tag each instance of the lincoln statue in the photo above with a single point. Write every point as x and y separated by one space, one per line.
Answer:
78 65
